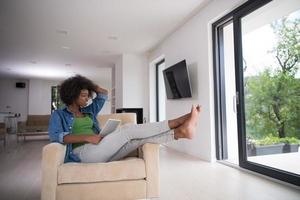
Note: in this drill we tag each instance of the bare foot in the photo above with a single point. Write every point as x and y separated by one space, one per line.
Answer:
187 129
175 123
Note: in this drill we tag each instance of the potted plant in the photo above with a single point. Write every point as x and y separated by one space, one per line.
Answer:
272 145
291 144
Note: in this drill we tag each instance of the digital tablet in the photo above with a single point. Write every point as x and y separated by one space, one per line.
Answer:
110 126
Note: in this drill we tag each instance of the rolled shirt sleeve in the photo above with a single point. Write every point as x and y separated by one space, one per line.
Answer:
97 104
56 131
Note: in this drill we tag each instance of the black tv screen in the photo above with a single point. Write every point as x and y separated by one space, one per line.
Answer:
177 81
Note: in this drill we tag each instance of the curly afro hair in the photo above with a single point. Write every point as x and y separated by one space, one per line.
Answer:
70 88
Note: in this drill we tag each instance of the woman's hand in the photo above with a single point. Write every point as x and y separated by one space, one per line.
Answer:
98 89
94 139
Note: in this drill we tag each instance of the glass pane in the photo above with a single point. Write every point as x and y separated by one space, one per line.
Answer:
271 55
230 95
56 101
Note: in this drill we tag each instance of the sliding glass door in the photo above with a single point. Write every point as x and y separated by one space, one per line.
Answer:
271 49
267 84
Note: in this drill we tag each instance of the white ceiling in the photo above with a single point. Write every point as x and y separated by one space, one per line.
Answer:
53 39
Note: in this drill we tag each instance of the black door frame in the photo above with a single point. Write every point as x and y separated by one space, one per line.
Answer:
219 92
157 88
220 115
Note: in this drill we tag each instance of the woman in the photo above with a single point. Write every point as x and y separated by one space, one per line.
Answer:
76 125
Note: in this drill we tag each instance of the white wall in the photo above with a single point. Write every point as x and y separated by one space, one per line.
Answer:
106 109
35 98
40 96
135 80
13 99
119 82
193 42
132 82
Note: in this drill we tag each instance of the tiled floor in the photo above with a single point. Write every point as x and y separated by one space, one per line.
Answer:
187 178
20 175
183 177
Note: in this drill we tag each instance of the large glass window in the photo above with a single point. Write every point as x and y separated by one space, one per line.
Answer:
257 87
55 98
271 49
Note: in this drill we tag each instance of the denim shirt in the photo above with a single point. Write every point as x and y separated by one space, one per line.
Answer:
61 123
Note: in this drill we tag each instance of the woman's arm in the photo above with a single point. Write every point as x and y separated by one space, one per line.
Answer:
98 101
94 139
56 130
98 89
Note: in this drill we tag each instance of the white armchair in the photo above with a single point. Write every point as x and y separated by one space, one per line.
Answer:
129 178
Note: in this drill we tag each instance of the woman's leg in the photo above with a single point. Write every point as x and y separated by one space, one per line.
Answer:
134 144
158 139
113 142
174 123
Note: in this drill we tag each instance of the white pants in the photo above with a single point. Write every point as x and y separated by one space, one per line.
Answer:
125 139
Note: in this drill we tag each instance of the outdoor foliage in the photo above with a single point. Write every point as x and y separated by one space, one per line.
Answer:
273 96
276 140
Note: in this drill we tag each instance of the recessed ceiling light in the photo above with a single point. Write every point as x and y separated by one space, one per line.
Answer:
62 32
66 47
112 37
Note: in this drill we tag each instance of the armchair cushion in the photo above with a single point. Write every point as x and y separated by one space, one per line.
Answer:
100 172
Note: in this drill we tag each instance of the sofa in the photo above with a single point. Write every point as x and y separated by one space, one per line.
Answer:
3 133
133 177
35 123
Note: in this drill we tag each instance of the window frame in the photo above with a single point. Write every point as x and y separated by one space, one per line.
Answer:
157 87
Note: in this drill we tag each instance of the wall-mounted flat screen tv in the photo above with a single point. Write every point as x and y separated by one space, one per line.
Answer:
177 81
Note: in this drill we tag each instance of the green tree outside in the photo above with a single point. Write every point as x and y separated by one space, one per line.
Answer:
272 98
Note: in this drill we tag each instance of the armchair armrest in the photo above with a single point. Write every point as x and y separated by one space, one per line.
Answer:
150 153
53 156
